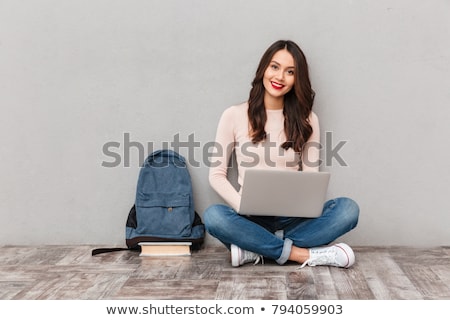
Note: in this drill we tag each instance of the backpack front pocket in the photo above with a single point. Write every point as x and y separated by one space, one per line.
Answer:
163 214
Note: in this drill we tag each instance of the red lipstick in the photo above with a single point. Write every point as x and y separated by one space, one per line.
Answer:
276 85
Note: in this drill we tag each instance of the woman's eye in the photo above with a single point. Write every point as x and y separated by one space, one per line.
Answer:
290 72
274 67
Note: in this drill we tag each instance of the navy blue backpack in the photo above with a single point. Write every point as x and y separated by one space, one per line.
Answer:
164 205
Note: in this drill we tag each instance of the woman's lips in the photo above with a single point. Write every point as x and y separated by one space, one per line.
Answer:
276 85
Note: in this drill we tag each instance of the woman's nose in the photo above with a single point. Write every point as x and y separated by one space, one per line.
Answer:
280 75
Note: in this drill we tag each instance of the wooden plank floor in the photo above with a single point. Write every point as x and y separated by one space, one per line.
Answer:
70 272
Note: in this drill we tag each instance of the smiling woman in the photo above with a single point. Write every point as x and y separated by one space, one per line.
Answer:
279 124
278 79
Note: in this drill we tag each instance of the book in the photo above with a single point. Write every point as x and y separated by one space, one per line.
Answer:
153 249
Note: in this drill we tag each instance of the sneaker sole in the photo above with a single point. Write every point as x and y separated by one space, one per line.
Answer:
234 255
348 252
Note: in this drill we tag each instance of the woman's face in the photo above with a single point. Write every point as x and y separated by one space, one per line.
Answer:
279 76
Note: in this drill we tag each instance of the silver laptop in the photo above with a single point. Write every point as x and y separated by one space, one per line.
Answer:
284 193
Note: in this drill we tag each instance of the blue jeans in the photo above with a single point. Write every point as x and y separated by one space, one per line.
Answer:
273 237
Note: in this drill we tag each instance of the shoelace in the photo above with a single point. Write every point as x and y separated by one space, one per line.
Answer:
304 264
250 256
324 258
258 260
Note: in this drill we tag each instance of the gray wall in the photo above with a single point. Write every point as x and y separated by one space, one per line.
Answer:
76 75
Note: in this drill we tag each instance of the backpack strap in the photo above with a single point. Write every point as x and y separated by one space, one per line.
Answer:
105 250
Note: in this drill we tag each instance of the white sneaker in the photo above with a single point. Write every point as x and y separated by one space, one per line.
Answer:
240 256
338 255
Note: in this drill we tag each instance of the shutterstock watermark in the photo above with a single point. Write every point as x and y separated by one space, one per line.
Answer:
121 153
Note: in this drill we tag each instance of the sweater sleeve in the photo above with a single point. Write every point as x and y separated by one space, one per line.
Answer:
223 148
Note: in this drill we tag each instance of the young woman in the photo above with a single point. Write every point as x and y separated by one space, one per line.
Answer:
276 129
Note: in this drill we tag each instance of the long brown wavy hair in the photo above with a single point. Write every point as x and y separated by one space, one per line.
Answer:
298 101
